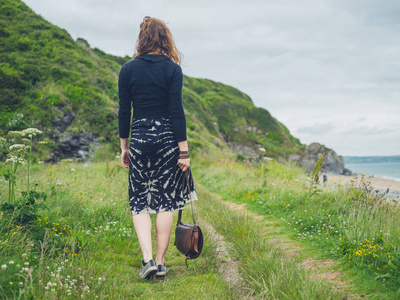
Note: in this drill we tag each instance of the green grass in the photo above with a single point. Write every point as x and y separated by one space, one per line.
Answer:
87 234
349 225
262 265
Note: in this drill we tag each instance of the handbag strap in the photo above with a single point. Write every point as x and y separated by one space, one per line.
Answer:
190 196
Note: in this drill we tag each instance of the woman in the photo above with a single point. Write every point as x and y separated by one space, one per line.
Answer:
157 155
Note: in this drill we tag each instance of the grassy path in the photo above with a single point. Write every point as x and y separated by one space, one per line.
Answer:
85 245
344 237
267 272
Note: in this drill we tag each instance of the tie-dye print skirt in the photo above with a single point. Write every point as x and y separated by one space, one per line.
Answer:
155 180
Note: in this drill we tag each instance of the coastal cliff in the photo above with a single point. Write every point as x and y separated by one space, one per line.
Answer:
333 163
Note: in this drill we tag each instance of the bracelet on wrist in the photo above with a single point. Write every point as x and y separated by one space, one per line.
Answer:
184 155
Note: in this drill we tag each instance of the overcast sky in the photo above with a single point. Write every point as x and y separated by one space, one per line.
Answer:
328 70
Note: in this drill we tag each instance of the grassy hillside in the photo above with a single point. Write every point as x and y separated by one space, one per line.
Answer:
43 68
46 76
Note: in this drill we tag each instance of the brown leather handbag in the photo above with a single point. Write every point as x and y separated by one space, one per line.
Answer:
188 237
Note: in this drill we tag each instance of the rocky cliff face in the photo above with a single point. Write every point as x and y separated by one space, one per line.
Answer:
79 145
333 163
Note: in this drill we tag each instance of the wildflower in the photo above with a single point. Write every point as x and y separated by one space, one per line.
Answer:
15 159
3 267
31 132
43 142
14 133
16 146
20 283
262 149
11 262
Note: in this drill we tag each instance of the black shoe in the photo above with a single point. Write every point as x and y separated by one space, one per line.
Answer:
148 269
161 271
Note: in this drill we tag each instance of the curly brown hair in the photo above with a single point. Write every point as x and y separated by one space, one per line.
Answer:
154 36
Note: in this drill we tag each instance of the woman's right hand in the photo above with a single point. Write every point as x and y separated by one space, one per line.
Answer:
125 158
184 163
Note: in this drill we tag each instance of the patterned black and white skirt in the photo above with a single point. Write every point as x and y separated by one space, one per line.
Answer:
155 180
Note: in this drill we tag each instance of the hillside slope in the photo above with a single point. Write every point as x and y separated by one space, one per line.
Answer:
69 90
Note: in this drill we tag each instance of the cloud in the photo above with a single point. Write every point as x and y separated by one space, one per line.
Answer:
316 129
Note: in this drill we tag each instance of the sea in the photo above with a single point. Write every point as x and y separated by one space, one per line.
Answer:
382 170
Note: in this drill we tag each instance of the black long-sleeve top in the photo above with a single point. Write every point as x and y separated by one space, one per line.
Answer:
152 85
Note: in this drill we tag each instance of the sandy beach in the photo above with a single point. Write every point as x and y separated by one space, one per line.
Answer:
378 183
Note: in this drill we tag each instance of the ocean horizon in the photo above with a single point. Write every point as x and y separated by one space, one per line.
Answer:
382 170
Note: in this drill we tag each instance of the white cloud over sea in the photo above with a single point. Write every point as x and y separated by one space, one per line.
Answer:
328 70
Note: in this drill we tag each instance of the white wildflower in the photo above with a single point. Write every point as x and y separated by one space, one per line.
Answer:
16 147
11 262
262 149
15 159
31 132
14 133
43 142
3 267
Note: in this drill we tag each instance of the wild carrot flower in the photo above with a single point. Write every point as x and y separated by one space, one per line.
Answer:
14 133
31 132
15 159
16 147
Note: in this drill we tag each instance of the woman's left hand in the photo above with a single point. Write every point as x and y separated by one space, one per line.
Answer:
184 163
125 158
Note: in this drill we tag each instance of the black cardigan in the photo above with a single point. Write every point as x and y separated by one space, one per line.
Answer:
152 85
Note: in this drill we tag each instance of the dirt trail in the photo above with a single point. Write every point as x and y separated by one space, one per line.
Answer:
228 266
319 269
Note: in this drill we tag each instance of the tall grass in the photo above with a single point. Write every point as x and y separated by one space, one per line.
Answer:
351 225
84 245
262 264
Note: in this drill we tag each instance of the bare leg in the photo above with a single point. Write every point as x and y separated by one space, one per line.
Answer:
142 223
163 229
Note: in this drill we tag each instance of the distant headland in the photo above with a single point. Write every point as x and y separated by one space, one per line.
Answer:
371 159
